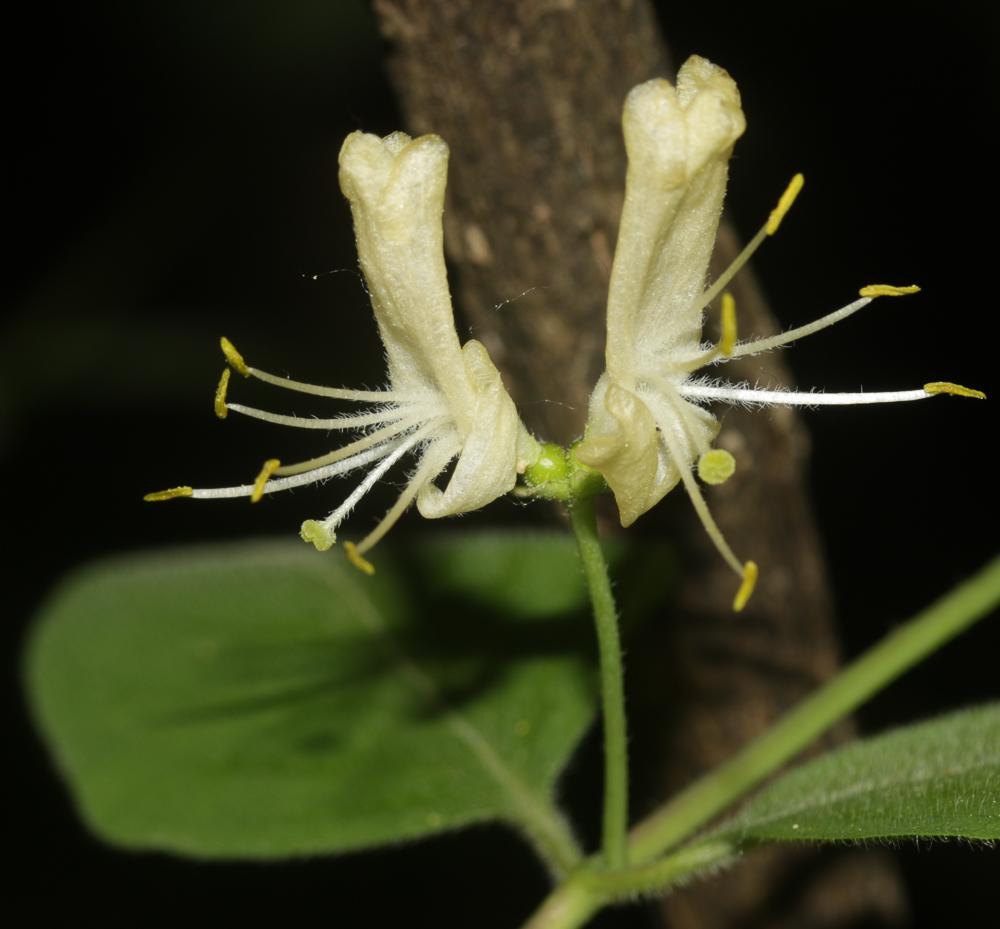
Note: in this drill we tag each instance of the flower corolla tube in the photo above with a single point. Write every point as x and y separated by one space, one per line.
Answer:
648 424
445 402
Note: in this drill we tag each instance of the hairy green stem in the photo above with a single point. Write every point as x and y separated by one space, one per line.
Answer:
656 877
590 889
584 520
552 839
880 665
587 890
568 906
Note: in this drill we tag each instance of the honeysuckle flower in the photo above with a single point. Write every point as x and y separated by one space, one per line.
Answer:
445 401
648 428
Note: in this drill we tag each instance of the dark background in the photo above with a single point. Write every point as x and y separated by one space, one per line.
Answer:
171 177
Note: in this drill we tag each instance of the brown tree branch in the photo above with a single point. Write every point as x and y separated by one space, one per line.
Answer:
528 94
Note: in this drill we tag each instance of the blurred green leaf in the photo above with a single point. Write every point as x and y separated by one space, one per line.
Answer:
934 779
266 700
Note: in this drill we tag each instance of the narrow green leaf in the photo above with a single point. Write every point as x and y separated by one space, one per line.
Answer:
935 779
266 700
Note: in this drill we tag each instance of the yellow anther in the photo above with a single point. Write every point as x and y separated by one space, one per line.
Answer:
957 390
170 494
888 290
270 466
746 588
234 358
316 534
358 560
784 204
220 395
727 340
716 466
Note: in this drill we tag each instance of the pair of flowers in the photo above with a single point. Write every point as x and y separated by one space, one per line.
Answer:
649 425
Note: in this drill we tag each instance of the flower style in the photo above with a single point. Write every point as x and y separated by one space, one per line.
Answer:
444 400
647 426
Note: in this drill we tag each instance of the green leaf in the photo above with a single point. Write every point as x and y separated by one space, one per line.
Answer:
934 779
265 700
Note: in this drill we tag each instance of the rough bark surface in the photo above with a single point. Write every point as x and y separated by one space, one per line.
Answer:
528 95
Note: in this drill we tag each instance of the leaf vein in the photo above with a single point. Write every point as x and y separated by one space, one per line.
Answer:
867 786
527 810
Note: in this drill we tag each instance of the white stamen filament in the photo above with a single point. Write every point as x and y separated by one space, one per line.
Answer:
712 354
754 346
675 408
431 464
704 357
298 480
337 393
371 478
752 396
380 436
769 228
698 501
375 418
741 259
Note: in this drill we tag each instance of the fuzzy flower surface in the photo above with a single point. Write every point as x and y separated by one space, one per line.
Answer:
649 426
444 403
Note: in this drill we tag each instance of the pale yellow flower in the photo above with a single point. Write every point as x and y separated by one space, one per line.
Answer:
445 401
648 427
